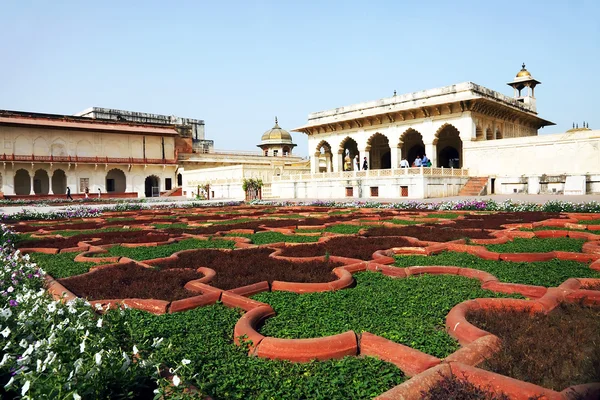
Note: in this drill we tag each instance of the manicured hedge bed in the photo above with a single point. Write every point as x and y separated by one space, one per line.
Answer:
222 370
165 250
537 245
410 311
352 247
275 237
128 236
127 281
555 351
547 273
244 267
61 265
495 221
431 233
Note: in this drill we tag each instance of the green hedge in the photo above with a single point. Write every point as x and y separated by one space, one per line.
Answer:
548 273
222 370
537 245
61 265
410 311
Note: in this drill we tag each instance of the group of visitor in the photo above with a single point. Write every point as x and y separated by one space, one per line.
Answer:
419 162
86 191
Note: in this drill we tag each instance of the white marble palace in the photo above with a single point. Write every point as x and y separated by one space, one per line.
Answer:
467 131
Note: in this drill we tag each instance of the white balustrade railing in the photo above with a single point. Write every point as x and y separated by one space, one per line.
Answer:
375 173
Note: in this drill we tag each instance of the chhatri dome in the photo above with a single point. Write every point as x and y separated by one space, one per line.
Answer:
276 142
523 72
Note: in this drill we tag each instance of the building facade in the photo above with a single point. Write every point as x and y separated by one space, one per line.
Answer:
46 153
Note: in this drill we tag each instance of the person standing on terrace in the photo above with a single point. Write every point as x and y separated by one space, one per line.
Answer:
69 193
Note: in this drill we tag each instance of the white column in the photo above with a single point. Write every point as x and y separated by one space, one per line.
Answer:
50 183
431 152
364 154
328 161
394 157
314 163
31 191
338 162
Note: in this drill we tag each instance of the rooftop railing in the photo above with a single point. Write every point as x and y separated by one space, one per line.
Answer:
376 173
86 160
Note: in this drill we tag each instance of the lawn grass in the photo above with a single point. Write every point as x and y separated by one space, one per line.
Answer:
176 225
538 245
547 273
442 215
222 370
410 311
403 222
275 237
345 229
147 253
61 265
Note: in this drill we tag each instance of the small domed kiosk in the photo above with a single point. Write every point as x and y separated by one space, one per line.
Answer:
276 142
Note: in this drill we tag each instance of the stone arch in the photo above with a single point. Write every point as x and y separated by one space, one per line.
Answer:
84 149
22 182
58 149
179 179
41 182
324 157
349 147
22 146
489 135
498 134
59 182
152 186
116 181
380 154
286 151
411 143
40 147
448 146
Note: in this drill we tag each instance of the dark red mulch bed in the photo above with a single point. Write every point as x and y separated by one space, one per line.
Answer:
352 247
555 351
107 238
592 286
244 267
128 281
495 221
455 388
430 233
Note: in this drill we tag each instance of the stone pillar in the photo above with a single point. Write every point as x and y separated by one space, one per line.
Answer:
50 191
431 152
328 161
31 175
394 151
337 163
314 163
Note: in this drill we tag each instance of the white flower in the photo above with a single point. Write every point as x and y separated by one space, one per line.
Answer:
82 346
176 380
5 313
23 343
25 388
185 361
10 289
135 350
4 359
10 382
98 358
76 396
99 323
52 307
5 332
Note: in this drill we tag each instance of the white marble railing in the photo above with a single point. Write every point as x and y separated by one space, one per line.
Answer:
376 173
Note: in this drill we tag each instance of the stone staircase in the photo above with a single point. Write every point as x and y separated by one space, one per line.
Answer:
178 191
475 186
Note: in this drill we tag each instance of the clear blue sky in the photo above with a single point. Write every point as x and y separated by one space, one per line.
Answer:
237 64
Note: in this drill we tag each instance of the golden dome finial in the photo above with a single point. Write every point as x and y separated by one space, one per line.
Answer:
523 72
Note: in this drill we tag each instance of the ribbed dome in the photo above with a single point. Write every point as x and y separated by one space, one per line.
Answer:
277 134
523 72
